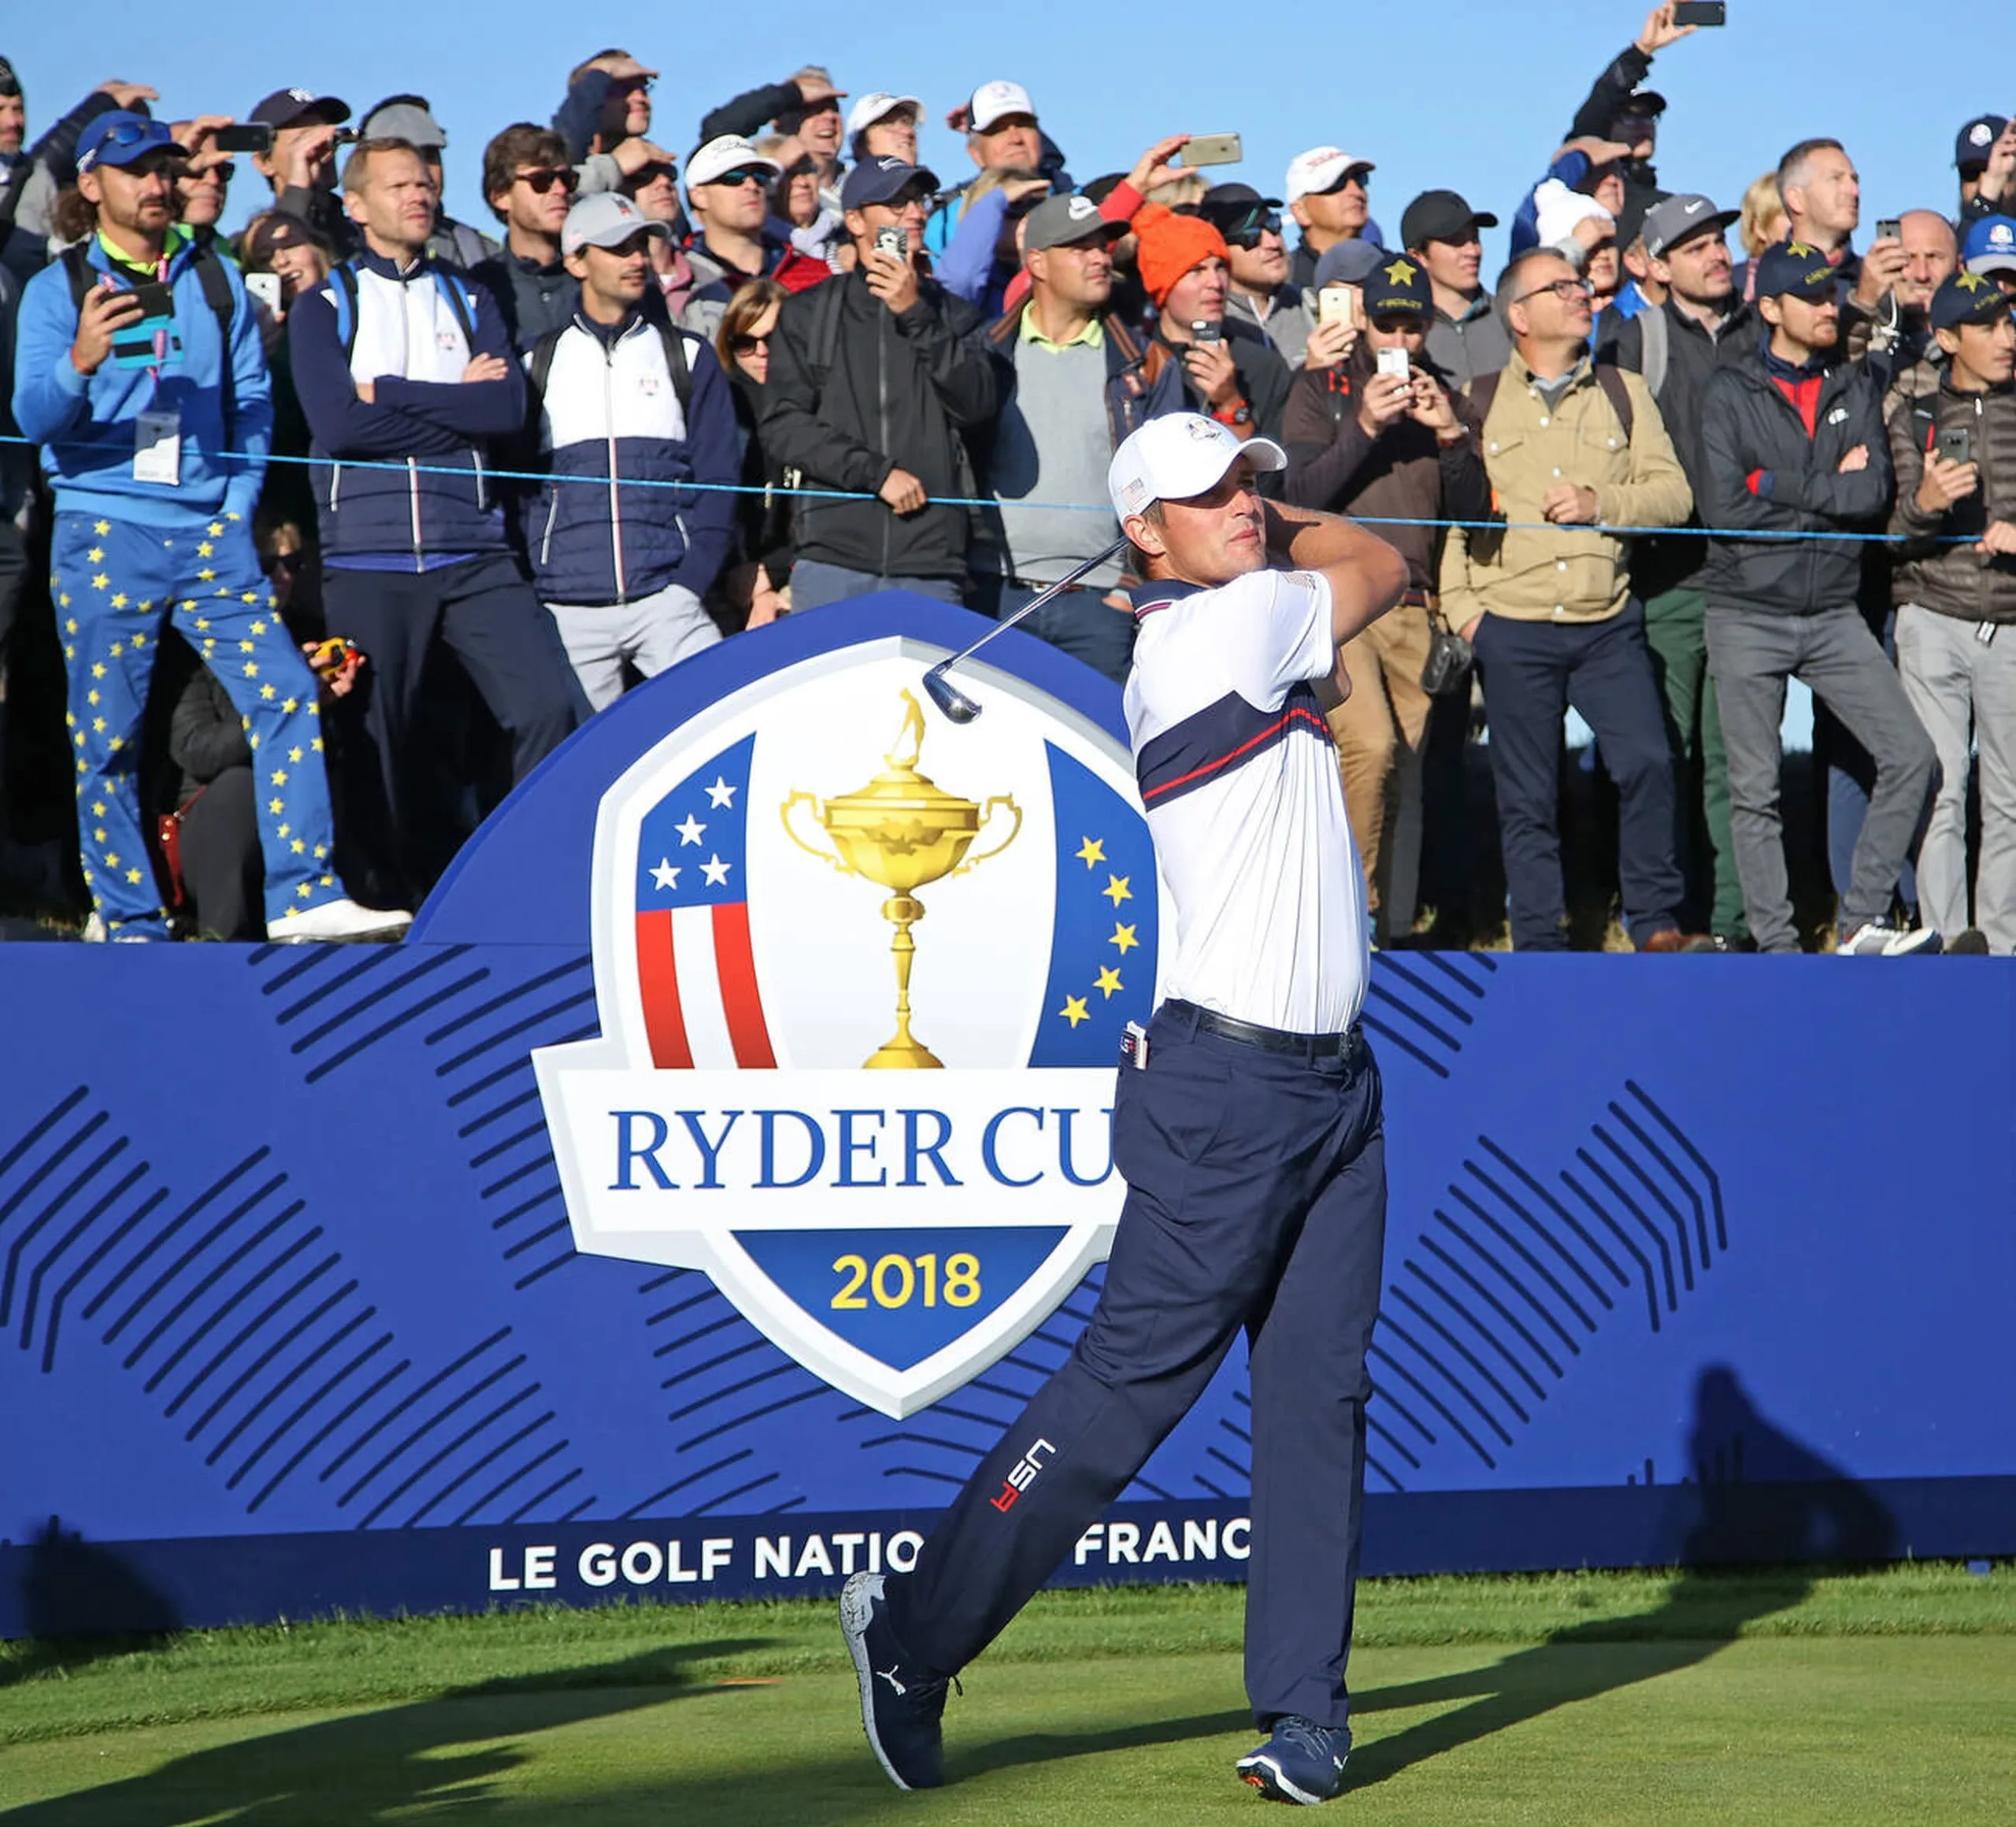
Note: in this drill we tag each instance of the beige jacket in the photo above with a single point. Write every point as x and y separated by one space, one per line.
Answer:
1566 574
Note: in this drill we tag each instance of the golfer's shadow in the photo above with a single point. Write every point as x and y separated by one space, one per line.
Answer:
1757 1497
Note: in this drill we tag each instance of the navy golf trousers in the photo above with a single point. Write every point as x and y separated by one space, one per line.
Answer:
1256 1199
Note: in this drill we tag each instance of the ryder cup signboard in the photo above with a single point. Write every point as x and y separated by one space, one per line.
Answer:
862 975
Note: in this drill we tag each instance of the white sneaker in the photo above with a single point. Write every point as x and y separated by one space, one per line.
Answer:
95 931
1878 938
338 920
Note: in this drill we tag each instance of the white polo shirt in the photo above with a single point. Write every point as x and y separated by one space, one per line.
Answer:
1236 768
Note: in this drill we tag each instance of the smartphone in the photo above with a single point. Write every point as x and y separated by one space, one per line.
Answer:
264 290
1890 228
894 240
1337 304
1394 362
347 136
157 304
1212 149
1700 13
1207 335
244 136
1955 446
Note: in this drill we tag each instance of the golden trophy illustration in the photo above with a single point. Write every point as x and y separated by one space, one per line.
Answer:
901 831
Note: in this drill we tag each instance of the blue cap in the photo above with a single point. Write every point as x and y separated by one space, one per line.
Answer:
1398 285
1990 246
882 181
1792 268
121 136
1976 141
1967 297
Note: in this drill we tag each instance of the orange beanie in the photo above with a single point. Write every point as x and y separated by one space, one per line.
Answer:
1171 245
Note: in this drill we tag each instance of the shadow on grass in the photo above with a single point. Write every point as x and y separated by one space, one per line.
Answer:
1760 1498
373 1766
84 1604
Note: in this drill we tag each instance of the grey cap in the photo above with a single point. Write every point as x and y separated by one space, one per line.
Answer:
1058 221
1350 263
606 219
1680 218
403 121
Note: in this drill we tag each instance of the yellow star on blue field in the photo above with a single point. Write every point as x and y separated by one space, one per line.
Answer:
205 549
1091 851
121 600
132 875
294 754
251 669
290 704
277 807
1108 981
207 575
270 692
217 528
1123 936
1074 1010
96 555
1399 273
1116 889
101 528
101 581
279 776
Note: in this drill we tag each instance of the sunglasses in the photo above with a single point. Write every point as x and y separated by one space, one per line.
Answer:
1253 225
541 181
746 174
746 345
126 133
221 174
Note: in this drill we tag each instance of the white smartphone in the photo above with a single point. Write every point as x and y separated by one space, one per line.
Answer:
263 289
1394 362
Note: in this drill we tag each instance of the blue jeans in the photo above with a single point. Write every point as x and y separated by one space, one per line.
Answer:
1078 622
815 583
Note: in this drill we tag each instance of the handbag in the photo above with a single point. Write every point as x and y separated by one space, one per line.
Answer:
1447 669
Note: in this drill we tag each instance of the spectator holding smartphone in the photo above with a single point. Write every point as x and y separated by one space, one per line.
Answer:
139 370
1954 586
1402 453
877 378
1794 441
301 163
1985 156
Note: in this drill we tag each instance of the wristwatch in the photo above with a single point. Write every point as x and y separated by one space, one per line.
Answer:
1239 412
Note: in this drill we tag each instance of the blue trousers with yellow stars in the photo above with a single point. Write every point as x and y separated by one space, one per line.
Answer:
117 585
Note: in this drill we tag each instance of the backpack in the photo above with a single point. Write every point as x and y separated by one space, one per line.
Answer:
675 361
1484 390
343 289
209 264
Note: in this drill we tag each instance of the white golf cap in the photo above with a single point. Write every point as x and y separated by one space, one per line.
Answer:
878 106
1181 455
994 102
606 219
1317 170
725 153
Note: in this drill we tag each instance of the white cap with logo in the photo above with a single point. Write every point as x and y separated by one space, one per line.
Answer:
725 153
1312 172
878 106
996 101
606 219
1180 456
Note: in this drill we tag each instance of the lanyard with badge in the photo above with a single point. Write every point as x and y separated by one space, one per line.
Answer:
151 343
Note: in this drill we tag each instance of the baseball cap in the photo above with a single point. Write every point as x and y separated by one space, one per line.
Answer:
272 231
1348 263
283 107
1442 215
10 84
1790 268
606 219
119 136
878 106
1976 138
1638 204
882 181
1234 199
1648 103
1990 246
725 152
995 101
1680 218
404 121
1967 297
1060 221
1321 169
1178 456
1398 285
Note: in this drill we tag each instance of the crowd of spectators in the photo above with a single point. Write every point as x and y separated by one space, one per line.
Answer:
341 525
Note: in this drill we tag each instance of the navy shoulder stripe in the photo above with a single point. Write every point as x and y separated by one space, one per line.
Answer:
1221 738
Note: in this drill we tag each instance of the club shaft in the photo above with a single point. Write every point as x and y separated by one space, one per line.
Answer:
1034 603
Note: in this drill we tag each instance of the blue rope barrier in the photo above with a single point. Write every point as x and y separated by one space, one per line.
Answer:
243 458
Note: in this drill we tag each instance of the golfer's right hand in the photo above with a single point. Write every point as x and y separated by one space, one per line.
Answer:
903 492
106 308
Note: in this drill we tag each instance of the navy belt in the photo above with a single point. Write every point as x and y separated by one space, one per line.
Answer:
1267 1040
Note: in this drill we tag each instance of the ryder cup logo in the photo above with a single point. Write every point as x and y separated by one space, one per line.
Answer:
862 975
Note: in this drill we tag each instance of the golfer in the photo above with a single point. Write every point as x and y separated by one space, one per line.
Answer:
1247 1124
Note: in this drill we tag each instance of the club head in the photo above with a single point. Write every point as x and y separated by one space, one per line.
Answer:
948 697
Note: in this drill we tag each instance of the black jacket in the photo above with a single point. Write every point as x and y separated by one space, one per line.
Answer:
1659 564
532 298
1263 378
897 393
1749 427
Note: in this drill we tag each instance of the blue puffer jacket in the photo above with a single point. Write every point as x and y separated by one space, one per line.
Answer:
407 473
85 424
618 519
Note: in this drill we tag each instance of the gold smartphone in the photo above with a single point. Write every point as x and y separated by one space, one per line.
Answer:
1212 149
1337 304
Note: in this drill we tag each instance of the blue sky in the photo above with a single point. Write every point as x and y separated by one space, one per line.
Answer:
1464 94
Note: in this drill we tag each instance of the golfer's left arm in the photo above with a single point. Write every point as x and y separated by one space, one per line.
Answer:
1366 575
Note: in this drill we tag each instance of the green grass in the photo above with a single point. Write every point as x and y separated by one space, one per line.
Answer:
1781 1697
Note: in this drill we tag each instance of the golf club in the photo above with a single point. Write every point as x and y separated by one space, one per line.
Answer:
948 697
